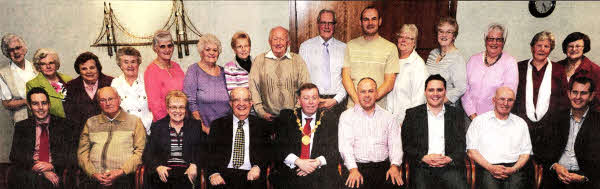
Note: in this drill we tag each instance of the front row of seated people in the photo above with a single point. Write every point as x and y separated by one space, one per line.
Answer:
305 148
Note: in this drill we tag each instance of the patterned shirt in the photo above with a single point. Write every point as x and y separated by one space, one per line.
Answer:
367 138
176 157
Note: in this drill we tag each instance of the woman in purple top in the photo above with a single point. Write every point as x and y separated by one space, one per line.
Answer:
204 84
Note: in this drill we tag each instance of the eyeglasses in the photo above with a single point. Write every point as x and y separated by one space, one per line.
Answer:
327 23
106 100
575 47
242 46
165 46
176 108
499 40
237 100
14 49
46 64
406 38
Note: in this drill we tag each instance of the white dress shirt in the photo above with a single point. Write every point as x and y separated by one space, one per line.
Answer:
134 99
435 129
246 166
409 87
311 51
499 141
291 158
21 76
367 138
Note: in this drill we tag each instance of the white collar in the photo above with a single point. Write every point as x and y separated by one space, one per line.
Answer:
272 56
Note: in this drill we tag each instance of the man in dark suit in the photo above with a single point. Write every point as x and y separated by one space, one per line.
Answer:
308 155
434 140
572 159
237 146
42 146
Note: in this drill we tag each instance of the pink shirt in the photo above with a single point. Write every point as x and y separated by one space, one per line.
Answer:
38 132
91 89
482 82
158 82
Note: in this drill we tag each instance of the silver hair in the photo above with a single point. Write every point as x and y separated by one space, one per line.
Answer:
6 39
161 35
497 26
206 39
43 53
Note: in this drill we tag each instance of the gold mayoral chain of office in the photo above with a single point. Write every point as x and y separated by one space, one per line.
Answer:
305 137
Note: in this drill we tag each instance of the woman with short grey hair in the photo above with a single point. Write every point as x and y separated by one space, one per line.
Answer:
205 85
47 63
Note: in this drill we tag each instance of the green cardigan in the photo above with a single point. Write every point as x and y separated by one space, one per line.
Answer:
56 99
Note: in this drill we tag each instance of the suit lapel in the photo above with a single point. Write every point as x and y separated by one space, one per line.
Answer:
448 126
422 117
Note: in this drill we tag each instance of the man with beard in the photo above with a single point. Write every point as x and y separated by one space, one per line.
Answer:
371 56
237 147
308 155
499 142
369 141
42 148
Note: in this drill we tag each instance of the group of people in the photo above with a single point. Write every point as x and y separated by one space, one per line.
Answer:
368 105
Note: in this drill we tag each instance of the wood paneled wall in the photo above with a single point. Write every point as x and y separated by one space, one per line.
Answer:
423 13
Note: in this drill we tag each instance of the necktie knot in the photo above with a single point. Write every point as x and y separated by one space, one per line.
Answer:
241 123
326 44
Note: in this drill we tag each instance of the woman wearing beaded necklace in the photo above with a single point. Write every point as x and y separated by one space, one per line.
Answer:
487 71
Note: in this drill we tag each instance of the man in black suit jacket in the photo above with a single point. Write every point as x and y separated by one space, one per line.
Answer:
238 146
308 154
572 159
42 146
434 140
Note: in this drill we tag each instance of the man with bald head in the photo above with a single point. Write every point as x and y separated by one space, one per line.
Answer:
275 76
499 142
370 142
111 144
237 145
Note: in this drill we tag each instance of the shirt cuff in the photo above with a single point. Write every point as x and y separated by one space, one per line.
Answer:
289 160
322 160
351 165
338 98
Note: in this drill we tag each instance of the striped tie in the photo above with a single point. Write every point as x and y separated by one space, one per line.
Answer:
238 146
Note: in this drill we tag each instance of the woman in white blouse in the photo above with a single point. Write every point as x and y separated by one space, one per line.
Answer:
409 88
130 85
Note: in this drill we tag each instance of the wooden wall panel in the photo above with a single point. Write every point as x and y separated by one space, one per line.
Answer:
423 13
303 19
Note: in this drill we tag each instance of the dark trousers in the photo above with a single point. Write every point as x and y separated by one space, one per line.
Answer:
237 179
373 176
177 179
27 179
519 180
324 177
448 177
550 180
123 182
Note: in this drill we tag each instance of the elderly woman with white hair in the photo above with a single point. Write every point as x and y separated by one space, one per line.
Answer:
410 82
162 75
205 85
130 85
487 71
47 63
14 73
